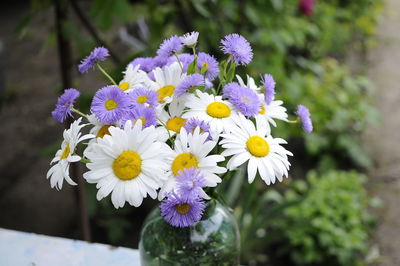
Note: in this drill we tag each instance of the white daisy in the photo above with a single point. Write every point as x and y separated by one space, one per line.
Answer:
165 81
219 114
134 78
99 129
66 155
129 163
190 39
250 83
272 111
171 121
191 150
255 145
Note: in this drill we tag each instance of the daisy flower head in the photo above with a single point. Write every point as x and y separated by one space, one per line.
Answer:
190 39
99 129
191 150
272 111
134 78
243 98
218 113
144 97
98 54
190 183
165 81
171 120
128 163
189 83
180 211
64 104
170 46
66 155
110 104
269 86
185 59
192 123
305 118
256 146
210 64
147 115
238 47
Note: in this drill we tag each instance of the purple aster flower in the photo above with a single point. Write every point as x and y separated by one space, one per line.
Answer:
269 86
189 82
64 104
243 98
211 63
181 211
110 104
189 183
146 63
237 46
98 54
208 84
186 59
305 118
170 46
192 123
144 96
138 111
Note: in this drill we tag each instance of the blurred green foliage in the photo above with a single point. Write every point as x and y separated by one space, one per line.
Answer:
329 225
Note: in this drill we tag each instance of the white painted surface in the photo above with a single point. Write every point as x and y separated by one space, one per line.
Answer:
20 249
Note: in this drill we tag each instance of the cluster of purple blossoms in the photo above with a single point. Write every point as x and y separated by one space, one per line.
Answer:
238 47
305 118
185 206
269 86
64 104
98 54
188 83
192 123
243 98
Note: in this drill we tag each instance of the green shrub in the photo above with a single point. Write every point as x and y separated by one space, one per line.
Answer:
330 225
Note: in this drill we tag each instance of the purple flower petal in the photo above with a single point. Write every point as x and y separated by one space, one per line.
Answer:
237 46
64 104
98 54
305 118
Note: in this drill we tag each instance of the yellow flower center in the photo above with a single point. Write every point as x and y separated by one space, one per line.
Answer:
128 165
175 124
143 120
182 208
124 86
245 100
165 91
110 104
141 99
103 131
183 161
218 110
262 110
205 65
66 152
257 146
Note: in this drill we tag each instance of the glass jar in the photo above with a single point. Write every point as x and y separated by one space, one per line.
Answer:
214 240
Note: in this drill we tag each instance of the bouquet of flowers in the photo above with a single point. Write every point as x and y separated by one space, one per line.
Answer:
174 127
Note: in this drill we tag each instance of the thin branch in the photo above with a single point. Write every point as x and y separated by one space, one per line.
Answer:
91 29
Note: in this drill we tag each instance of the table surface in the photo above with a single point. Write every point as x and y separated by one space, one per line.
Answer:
20 248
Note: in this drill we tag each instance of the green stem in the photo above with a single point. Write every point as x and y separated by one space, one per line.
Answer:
84 160
79 112
179 61
293 121
194 50
106 74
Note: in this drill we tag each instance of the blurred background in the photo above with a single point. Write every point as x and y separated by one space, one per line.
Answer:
340 58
